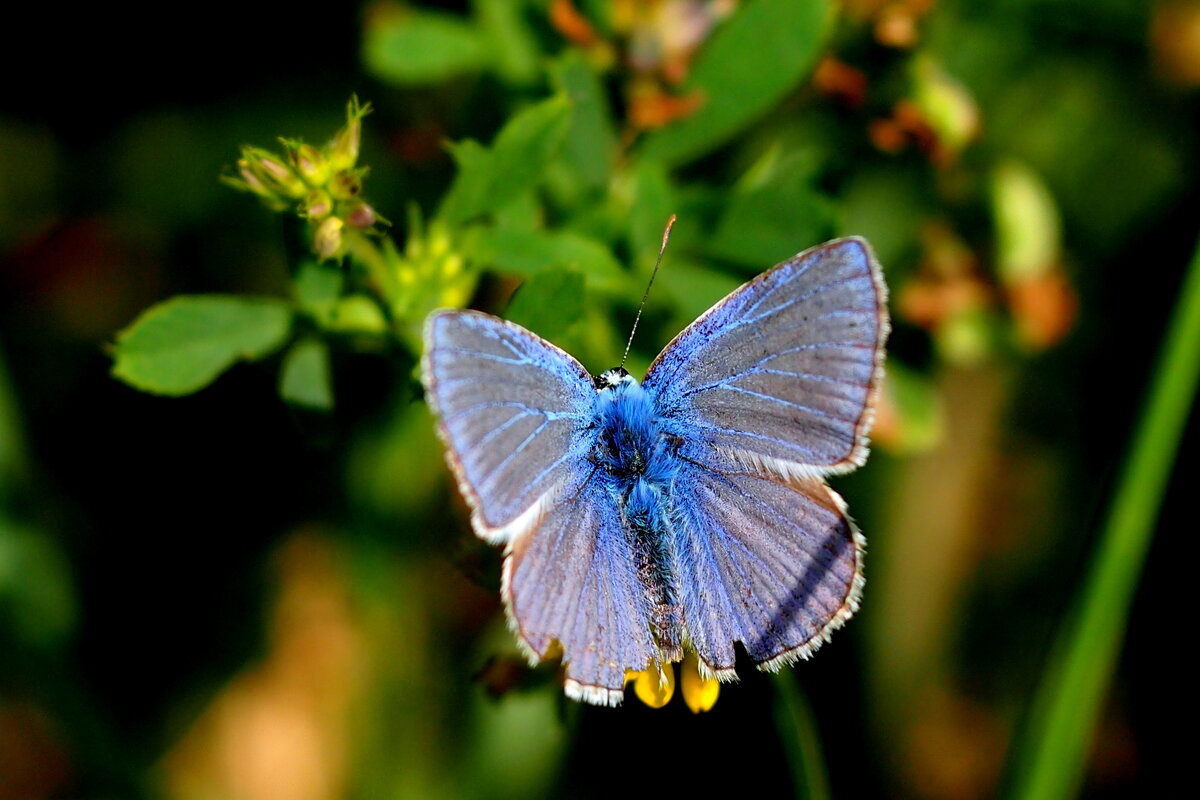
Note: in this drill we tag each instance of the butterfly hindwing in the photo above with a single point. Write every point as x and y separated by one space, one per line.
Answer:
573 580
774 564
514 413
781 374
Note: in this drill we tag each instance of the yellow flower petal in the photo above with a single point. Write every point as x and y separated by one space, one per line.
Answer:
699 693
653 688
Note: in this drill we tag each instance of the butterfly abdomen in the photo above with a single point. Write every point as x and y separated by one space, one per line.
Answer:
636 457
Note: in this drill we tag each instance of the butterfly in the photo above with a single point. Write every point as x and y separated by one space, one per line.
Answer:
686 511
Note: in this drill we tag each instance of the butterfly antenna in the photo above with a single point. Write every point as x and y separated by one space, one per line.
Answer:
657 264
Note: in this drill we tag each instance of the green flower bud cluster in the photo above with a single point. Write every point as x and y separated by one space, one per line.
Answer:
323 184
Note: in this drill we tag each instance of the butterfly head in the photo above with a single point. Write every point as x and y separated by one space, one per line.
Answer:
612 378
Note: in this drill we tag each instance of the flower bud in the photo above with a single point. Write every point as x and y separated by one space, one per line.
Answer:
252 181
360 215
317 205
327 241
343 154
700 693
275 178
311 163
345 185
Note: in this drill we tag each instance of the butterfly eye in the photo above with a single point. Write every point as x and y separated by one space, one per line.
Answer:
610 378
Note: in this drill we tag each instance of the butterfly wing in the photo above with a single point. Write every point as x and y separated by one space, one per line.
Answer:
517 415
781 375
775 564
574 581
766 392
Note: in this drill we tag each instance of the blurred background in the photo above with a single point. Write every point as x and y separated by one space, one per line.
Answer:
266 586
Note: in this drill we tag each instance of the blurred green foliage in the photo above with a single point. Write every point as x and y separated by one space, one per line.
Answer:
278 558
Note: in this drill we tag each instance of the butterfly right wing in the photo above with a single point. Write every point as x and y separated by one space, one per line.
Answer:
515 413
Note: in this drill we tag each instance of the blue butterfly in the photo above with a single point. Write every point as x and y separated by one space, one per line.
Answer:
687 511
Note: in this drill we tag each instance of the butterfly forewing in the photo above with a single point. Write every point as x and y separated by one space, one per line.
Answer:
775 565
781 374
515 413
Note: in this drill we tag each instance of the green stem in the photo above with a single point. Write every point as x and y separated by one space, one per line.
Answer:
363 249
801 741
1049 759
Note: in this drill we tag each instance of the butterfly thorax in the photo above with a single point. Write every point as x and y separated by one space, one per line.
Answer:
635 459
629 444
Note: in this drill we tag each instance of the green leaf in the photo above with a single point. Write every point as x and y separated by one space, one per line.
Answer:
421 47
305 378
182 345
527 252
489 178
511 43
591 143
357 314
764 225
919 408
37 600
654 201
318 286
693 288
549 302
750 64
471 193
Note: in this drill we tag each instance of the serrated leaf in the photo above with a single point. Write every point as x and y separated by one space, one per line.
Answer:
180 346
751 62
489 178
305 379
422 47
549 301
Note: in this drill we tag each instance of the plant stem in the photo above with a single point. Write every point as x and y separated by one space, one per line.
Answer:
801 740
1049 759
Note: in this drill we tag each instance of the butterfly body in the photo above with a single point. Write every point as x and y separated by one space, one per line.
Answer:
639 463
685 511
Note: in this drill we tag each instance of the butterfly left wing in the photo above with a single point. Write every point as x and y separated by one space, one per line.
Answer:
514 412
781 375
765 393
